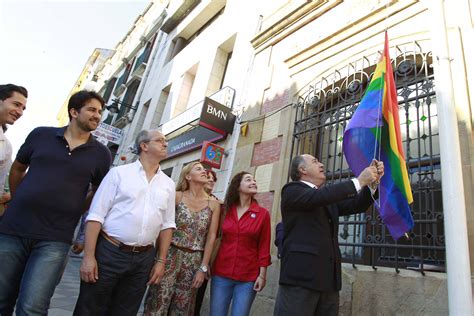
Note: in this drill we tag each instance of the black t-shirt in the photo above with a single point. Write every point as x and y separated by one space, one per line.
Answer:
50 199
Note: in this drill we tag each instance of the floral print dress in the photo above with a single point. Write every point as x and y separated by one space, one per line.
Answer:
174 295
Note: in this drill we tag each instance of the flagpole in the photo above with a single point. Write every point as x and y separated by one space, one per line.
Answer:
455 220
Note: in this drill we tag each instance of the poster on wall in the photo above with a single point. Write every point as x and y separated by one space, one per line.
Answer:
106 133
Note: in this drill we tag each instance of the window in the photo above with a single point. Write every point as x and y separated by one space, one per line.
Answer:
162 101
221 63
109 89
322 114
141 118
127 102
186 88
182 40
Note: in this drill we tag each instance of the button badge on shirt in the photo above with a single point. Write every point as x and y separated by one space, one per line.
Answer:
253 215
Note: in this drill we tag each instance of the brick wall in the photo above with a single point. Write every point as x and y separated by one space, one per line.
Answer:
275 102
266 152
265 199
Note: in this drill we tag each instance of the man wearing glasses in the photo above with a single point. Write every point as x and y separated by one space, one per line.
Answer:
133 207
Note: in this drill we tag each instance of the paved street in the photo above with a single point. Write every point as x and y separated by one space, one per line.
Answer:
66 293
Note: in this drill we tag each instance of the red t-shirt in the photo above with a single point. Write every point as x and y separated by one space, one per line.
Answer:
245 245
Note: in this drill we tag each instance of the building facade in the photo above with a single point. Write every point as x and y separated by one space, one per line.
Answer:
199 53
313 62
87 80
293 72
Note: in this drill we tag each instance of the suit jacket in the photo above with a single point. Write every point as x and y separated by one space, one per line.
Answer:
310 254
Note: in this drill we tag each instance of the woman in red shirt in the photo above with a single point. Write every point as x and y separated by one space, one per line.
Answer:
240 268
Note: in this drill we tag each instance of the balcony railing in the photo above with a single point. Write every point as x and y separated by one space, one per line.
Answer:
224 96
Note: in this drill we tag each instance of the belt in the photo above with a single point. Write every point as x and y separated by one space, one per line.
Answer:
186 249
124 247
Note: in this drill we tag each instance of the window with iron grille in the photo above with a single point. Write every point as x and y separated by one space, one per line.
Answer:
322 114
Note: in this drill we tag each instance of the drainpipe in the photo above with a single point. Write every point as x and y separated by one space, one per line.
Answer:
455 221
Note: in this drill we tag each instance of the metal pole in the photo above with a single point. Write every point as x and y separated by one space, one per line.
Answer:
455 221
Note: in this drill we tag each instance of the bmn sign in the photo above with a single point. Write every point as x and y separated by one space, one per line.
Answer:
217 117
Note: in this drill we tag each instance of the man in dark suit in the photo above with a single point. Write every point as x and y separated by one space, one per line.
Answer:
310 275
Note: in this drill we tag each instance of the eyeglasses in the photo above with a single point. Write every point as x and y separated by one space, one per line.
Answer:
159 140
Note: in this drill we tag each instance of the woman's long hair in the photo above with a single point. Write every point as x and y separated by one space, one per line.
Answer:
183 183
232 195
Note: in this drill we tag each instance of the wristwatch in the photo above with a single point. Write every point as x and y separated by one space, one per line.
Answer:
203 268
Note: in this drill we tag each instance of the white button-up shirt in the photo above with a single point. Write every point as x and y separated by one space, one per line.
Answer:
130 208
354 180
5 159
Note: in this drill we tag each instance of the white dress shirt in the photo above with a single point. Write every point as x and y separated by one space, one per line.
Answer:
5 159
354 180
130 208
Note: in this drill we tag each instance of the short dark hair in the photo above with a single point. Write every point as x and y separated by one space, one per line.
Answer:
296 163
78 100
6 91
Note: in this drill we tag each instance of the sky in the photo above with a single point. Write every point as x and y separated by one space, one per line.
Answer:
45 44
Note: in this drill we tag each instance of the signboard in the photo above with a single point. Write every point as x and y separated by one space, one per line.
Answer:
191 140
183 119
103 141
107 133
211 154
217 117
225 97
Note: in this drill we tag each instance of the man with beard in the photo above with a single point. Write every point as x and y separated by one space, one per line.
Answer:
12 105
65 166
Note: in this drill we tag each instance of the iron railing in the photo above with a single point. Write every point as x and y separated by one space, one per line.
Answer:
322 113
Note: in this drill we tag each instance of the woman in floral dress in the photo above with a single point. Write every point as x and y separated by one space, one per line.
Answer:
197 219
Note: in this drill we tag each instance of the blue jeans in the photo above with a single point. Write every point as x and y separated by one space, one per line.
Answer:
224 290
30 269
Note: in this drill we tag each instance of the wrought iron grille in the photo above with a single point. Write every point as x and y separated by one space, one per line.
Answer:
322 113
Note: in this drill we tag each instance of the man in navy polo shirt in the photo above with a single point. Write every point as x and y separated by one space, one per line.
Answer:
64 165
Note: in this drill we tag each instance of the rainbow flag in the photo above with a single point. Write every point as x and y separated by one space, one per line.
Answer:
373 129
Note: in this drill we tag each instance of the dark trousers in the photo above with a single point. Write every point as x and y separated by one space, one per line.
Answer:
296 300
121 284
199 298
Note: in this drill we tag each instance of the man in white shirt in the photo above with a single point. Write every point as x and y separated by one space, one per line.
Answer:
133 207
12 104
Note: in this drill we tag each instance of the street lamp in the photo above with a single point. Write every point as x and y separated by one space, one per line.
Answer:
114 107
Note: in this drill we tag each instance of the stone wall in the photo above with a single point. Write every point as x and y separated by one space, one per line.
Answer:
380 292
371 292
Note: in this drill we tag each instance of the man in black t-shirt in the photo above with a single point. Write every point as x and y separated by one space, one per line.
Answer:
65 166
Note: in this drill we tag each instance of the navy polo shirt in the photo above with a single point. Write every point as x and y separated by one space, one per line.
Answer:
50 199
